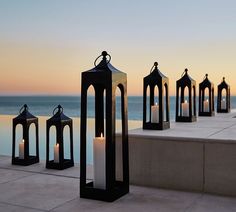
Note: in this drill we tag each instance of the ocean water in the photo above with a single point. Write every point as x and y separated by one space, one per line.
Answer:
44 105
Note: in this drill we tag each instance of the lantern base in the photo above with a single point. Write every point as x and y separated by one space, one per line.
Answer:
25 162
206 113
186 119
89 192
67 163
223 111
156 126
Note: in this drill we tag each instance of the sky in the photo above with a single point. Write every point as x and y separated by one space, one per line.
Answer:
46 44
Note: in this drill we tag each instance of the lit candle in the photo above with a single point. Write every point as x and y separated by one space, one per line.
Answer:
223 104
206 106
99 165
56 153
22 149
155 113
185 108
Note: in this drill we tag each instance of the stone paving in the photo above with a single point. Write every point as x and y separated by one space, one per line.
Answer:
34 188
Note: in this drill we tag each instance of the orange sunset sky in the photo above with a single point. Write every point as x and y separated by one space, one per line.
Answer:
45 45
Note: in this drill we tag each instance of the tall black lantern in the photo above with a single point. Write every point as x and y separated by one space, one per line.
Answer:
60 121
206 102
25 119
223 103
186 104
105 79
158 111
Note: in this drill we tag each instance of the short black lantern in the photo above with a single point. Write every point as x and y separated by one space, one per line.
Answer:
105 79
186 104
25 119
206 102
158 117
60 121
223 101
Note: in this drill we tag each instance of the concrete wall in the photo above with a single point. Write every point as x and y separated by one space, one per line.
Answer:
188 164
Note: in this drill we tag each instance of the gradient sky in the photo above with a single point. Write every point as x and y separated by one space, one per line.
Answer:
46 44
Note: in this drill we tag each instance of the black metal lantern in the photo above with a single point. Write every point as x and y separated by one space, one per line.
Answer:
60 121
206 102
25 119
186 104
105 79
158 111
223 103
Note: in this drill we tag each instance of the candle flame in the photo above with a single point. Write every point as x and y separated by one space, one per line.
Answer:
156 103
185 101
101 135
207 100
57 144
23 140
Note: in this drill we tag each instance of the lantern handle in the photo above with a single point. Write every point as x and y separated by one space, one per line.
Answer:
23 108
205 77
185 71
104 54
59 109
155 65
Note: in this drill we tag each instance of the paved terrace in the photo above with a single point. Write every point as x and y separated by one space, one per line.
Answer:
34 189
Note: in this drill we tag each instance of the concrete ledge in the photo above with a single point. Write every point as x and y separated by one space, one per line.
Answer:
220 169
166 164
192 157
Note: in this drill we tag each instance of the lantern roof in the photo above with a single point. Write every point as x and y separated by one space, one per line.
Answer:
104 65
156 71
103 74
59 116
186 78
25 114
223 84
206 81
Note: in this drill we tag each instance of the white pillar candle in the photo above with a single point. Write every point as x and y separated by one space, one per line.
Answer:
185 108
155 113
56 153
206 107
22 149
99 162
223 104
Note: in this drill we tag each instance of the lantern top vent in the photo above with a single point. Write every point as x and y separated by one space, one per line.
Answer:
104 65
185 78
58 115
25 114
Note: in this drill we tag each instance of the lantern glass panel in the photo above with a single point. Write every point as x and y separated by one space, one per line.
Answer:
32 139
223 93
53 141
148 103
66 139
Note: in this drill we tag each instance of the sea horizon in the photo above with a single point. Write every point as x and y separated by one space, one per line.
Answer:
43 105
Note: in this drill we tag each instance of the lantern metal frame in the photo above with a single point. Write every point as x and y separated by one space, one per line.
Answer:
206 84
105 79
156 78
60 121
186 82
25 119
223 85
